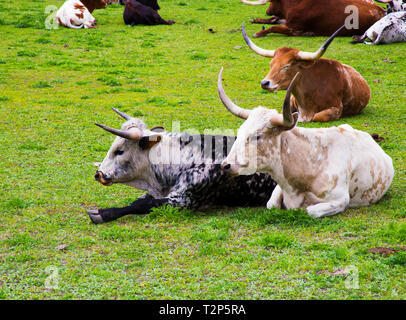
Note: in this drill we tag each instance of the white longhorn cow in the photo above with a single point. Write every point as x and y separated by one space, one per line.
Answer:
323 170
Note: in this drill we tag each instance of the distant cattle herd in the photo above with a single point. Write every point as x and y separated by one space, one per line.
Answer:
271 161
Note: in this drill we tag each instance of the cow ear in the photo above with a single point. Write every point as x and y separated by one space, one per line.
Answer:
147 142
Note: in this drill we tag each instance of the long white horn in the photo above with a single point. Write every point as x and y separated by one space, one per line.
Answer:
234 109
310 56
132 134
255 48
255 3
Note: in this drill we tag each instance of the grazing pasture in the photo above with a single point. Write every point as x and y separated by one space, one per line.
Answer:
54 84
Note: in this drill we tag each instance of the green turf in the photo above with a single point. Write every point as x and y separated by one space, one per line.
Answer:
55 83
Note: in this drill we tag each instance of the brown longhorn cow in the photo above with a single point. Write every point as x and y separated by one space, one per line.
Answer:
326 90
318 18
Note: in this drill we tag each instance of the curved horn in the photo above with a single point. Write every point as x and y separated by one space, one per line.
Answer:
255 48
288 119
310 56
255 3
234 109
133 134
122 114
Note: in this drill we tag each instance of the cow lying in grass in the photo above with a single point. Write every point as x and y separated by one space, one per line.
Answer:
178 169
316 18
390 29
76 14
143 12
323 170
327 89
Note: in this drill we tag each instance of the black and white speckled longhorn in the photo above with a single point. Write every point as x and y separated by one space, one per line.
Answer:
178 169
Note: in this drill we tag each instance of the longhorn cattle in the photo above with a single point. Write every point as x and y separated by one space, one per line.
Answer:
390 29
74 14
307 18
323 170
394 5
143 12
327 88
177 169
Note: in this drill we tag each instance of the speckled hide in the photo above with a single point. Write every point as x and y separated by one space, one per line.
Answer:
390 29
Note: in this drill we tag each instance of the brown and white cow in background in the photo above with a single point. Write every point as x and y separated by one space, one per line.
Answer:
327 88
323 170
77 14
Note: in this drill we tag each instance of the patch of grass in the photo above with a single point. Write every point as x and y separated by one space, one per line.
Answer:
399 259
25 53
394 231
42 84
110 81
276 241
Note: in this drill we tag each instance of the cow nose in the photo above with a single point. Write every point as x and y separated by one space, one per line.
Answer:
265 84
97 176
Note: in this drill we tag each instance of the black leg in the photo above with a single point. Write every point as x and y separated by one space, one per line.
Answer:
140 206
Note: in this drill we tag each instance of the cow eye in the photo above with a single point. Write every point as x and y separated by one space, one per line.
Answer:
118 152
284 68
255 138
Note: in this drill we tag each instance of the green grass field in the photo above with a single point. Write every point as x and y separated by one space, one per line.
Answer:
54 84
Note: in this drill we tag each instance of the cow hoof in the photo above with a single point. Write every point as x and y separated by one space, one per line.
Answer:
95 216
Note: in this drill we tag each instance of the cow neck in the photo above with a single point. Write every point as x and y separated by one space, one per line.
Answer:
148 182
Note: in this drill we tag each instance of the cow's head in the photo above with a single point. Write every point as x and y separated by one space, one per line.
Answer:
251 151
286 62
128 157
275 6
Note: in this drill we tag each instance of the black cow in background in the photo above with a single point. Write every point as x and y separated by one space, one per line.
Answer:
143 12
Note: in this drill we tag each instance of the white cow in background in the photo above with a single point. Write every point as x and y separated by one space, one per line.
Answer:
323 170
390 29
74 14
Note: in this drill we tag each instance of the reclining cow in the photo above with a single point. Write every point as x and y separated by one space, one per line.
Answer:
177 169
317 18
143 12
77 14
323 170
390 29
327 89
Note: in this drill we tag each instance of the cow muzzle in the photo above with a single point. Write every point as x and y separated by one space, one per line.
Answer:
269 85
102 178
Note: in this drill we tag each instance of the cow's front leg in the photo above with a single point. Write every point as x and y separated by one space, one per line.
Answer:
276 199
142 205
283 29
326 209
329 114
271 20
